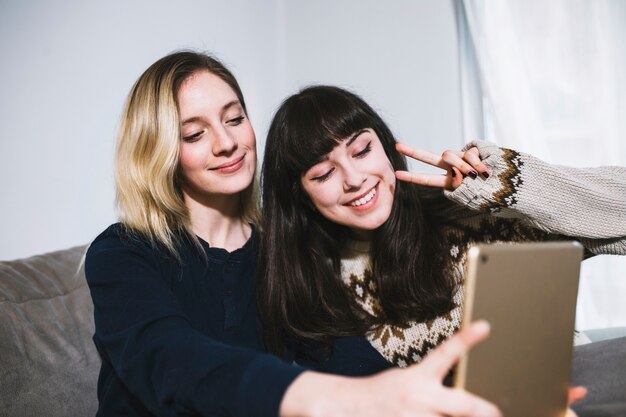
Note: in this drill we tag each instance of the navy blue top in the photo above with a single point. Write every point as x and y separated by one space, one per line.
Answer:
180 338
350 356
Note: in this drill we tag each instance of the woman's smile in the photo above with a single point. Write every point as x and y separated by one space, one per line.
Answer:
367 201
230 166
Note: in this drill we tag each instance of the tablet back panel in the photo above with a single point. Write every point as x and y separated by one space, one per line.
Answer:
527 292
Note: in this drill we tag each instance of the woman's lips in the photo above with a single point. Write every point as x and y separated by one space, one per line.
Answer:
229 167
365 200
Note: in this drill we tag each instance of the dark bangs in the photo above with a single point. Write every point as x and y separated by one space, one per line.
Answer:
319 118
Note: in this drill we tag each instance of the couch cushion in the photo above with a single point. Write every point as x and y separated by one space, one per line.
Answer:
601 367
48 363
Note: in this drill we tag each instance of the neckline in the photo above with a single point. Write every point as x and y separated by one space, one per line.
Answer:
221 253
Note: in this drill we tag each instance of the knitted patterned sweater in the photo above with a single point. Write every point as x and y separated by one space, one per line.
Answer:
524 199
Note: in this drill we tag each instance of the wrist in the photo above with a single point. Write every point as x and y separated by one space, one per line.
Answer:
313 394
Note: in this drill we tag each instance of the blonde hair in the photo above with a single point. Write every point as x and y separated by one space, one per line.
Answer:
148 195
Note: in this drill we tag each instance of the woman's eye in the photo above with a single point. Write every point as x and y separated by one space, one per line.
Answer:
194 137
236 121
324 177
364 151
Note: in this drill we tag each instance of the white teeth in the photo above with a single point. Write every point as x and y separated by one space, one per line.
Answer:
364 199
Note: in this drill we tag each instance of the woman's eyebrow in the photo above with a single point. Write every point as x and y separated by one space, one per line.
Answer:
348 142
354 136
229 105
320 160
225 107
190 120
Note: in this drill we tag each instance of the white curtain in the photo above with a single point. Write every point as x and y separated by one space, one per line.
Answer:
549 78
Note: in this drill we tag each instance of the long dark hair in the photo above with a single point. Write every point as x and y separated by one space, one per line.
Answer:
301 294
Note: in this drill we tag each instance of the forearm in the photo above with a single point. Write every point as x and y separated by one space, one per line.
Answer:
416 390
314 394
587 204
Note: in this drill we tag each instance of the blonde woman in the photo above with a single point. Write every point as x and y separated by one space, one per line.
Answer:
173 282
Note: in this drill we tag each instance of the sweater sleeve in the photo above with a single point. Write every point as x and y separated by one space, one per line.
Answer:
587 204
169 366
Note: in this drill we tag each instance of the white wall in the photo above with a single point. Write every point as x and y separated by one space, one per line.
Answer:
401 56
67 67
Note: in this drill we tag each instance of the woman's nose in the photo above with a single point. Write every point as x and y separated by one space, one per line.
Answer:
223 143
353 179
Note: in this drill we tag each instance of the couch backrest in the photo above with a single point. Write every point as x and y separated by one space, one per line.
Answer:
48 363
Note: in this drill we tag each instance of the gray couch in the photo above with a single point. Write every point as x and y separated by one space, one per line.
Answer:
48 362
49 366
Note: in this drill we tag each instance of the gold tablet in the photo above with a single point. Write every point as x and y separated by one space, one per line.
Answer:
527 292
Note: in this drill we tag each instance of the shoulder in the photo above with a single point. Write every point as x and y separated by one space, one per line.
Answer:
118 236
119 244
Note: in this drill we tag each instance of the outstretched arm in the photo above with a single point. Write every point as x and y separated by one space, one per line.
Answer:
414 391
588 204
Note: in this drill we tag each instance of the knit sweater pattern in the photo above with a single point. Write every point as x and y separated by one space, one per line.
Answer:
524 199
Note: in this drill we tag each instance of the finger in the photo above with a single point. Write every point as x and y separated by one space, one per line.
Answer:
570 413
457 178
576 394
472 156
421 155
461 403
440 360
429 180
452 159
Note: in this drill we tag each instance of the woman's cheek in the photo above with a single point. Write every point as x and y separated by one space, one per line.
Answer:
391 179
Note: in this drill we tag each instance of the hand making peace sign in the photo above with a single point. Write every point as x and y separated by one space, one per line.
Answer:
457 164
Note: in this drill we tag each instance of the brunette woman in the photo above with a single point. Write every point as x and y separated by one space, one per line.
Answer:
361 272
